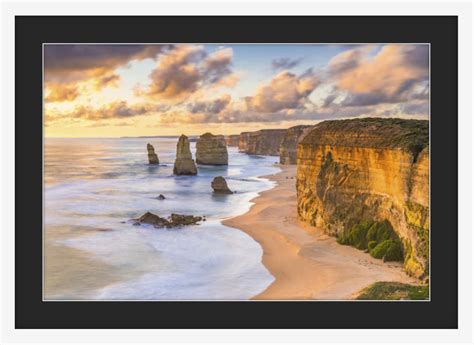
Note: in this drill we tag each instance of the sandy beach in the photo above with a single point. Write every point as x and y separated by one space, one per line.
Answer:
306 263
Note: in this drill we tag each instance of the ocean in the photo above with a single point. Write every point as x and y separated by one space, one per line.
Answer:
92 251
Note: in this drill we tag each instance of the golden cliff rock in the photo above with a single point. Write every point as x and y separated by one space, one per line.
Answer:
356 175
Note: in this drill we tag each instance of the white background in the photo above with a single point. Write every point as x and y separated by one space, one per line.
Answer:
261 7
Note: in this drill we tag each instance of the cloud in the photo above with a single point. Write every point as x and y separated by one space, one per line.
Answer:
394 74
60 93
213 107
110 80
114 110
182 71
285 91
70 62
285 63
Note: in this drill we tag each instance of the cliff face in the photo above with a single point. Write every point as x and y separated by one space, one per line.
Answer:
232 140
243 140
211 150
263 142
352 172
289 145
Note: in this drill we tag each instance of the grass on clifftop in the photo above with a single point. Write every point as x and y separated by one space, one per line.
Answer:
412 135
394 291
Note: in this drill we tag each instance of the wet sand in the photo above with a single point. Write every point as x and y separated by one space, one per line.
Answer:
306 263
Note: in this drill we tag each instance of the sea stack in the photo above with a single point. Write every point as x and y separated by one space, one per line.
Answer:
152 156
211 150
184 163
219 184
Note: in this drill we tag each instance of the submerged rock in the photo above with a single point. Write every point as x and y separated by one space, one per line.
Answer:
219 184
152 156
184 163
211 150
175 220
161 197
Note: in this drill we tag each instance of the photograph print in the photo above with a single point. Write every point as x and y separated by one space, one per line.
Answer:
236 172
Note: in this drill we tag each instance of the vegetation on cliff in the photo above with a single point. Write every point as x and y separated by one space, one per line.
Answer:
394 291
378 238
412 135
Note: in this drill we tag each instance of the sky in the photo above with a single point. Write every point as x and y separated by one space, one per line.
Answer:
114 90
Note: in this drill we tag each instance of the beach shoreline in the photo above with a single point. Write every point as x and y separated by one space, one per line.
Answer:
306 263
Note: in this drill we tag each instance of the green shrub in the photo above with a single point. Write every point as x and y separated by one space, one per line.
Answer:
394 291
389 250
380 231
357 235
378 237
371 245
394 252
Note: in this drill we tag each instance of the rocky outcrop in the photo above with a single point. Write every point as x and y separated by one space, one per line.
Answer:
243 140
289 144
232 140
262 142
184 163
152 157
211 150
219 185
175 220
360 178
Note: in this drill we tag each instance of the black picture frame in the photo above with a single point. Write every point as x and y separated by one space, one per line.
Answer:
30 34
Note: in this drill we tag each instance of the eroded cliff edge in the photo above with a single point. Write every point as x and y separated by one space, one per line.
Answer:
262 142
353 172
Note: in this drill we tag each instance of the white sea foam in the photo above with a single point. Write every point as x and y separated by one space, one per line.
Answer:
113 183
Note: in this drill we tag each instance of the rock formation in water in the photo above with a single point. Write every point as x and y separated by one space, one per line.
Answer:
211 150
152 156
175 220
289 145
366 181
184 163
262 142
219 185
232 140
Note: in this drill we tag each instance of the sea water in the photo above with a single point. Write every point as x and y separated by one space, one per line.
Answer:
101 184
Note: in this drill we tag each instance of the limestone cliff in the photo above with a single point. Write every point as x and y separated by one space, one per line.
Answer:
232 140
211 150
289 145
262 142
184 163
243 140
356 172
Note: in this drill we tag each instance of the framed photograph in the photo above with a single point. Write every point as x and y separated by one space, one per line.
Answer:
236 172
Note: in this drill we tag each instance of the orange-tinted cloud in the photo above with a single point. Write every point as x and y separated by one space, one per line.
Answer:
114 110
110 80
214 106
285 91
182 71
60 93
395 74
